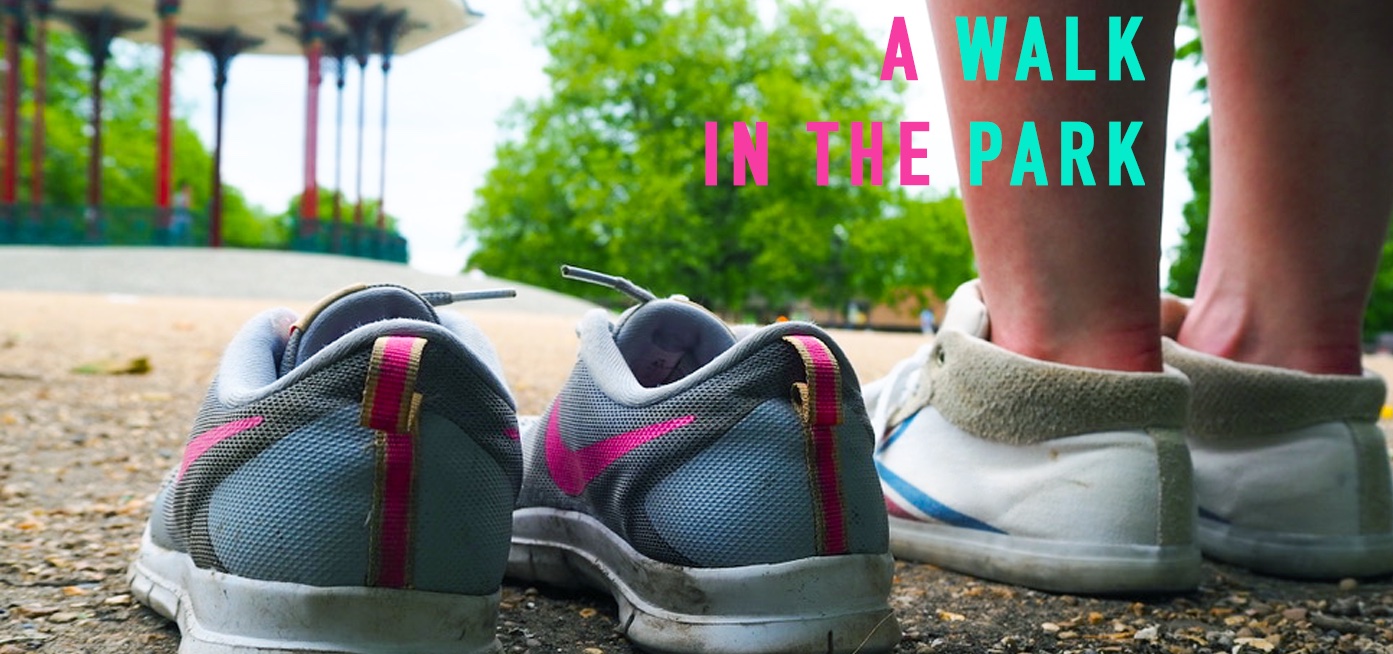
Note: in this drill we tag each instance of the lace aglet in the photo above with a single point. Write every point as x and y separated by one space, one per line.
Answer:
442 298
600 279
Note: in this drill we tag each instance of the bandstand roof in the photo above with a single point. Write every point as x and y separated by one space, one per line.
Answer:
274 20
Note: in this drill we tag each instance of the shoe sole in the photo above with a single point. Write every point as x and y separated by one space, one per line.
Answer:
823 604
1299 556
1057 566
219 613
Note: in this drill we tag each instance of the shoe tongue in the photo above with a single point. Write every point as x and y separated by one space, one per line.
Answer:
666 340
347 310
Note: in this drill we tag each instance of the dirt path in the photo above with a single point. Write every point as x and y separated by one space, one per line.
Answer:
81 455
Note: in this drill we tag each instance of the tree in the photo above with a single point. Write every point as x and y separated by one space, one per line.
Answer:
923 247
286 218
608 171
1185 268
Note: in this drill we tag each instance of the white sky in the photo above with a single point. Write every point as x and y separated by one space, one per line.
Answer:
447 98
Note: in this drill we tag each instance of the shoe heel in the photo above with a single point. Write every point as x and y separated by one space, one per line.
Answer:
220 613
833 604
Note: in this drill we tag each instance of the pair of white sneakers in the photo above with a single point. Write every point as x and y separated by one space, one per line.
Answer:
1087 481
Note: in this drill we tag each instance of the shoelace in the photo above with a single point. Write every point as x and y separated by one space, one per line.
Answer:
888 393
442 298
617 283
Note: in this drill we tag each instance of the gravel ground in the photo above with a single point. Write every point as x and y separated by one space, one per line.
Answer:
81 454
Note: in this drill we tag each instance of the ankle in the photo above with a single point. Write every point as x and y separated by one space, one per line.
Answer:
1126 348
1243 333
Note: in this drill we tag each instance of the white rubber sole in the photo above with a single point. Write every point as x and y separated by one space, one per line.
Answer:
1057 566
1299 556
823 604
220 613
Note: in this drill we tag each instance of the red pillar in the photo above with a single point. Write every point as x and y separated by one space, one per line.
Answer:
11 177
164 157
36 151
309 202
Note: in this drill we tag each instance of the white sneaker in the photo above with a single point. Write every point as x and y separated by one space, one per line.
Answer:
1034 473
1291 469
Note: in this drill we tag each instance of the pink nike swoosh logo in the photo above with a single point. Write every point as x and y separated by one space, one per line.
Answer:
202 442
573 470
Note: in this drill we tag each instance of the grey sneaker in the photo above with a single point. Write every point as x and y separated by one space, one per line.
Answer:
721 489
346 488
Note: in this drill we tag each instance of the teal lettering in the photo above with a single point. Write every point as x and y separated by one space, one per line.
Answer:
1120 48
1029 159
1120 154
981 47
1034 54
977 152
1071 156
1072 72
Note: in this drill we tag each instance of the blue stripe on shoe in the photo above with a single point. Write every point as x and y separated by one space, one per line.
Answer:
894 435
1210 515
928 505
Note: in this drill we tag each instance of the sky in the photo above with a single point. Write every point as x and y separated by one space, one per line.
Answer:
447 99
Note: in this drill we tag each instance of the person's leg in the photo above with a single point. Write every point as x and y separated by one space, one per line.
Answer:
1303 180
1069 272
996 458
1291 471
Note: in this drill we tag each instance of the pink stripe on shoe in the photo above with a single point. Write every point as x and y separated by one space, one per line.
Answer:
390 406
394 540
829 481
395 363
821 415
203 442
828 385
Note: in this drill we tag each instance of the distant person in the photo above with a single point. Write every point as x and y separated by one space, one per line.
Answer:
181 221
927 323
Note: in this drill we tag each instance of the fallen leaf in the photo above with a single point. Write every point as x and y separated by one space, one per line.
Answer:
133 366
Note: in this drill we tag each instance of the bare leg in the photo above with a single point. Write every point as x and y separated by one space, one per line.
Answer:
1069 273
1302 176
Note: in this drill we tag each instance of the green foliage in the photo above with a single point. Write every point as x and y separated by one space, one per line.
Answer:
1378 318
1185 268
608 172
923 247
326 211
131 89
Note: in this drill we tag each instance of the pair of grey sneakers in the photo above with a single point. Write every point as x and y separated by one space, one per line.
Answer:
356 481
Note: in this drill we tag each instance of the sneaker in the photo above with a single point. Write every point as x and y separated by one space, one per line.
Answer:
347 487
1034 473
1291 469
720 488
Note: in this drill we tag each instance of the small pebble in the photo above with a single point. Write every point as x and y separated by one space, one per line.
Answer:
1348 584
1148 633
1050 628
63 617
